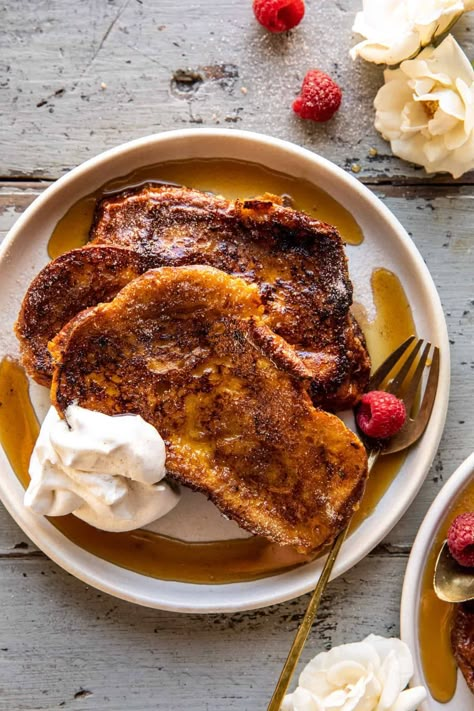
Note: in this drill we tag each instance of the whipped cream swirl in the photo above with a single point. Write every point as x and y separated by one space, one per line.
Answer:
107 471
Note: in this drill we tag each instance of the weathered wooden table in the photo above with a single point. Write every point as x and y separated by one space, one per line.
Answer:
77 78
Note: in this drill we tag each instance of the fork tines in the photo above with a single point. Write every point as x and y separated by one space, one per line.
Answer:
405 384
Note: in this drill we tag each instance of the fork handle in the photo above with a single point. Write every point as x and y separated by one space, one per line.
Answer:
308 619
305 626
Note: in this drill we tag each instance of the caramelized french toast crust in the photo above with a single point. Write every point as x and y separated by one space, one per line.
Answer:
74 281
462 641
190 351
297 262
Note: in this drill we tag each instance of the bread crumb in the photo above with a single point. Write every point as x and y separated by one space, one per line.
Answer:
373 152
243 89
103 85
355 167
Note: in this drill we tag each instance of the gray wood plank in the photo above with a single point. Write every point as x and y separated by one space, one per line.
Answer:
81 77
14 199
79 649
78 78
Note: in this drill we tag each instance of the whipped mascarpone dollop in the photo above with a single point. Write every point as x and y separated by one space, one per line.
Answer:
105 470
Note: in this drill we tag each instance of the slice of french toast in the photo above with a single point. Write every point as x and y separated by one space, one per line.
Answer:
74 281
298 263
462 641
188 349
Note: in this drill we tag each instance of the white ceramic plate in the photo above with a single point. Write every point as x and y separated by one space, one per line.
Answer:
463 699
386 244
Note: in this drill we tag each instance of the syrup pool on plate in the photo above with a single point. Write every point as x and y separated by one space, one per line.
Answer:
142 551
150 553
230 178
393 323
436 616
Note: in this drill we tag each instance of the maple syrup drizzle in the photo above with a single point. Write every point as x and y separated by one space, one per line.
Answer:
230 178
142 551
436 617
393 323
219 561
158 556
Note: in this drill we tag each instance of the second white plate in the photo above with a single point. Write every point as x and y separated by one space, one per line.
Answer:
463 699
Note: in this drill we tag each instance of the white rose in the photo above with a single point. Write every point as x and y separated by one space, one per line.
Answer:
426 109
397 29
366 676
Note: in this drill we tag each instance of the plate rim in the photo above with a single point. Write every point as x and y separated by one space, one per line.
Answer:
436 425
409 605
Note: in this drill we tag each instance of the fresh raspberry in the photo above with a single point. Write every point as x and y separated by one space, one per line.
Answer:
380 414
320 97
278 15
461 539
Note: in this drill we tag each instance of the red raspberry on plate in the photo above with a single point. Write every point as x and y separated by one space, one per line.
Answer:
320 97
278 15
380 414
461 539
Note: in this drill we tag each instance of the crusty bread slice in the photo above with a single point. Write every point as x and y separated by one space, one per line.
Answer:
187 348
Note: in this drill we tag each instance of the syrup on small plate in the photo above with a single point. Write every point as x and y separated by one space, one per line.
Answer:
436 616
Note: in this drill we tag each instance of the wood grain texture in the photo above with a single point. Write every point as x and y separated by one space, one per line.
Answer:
65 645
78 78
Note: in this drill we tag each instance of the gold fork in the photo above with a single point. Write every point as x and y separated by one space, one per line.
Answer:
405 385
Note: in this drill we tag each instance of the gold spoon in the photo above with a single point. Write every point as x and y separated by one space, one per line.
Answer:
452 582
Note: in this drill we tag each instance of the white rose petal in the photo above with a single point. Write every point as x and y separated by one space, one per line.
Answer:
409 699
365 676
395 30
301 700
426 109
393 646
